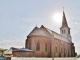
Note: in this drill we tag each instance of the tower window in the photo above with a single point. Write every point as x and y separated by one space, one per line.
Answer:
62 31
68 31
38 46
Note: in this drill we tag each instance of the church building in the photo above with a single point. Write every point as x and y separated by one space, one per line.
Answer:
47 43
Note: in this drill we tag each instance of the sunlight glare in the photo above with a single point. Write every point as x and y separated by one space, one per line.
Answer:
57 18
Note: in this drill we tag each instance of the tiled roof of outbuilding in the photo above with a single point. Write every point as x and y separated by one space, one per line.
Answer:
21 49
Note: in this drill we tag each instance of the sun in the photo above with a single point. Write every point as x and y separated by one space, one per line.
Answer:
57 18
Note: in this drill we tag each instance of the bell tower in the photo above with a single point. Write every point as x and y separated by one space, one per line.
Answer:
65 30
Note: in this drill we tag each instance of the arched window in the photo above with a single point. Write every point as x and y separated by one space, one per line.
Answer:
68 32
61 50
64 49
56 48
68 52
30 45
38 46
45 46
62 31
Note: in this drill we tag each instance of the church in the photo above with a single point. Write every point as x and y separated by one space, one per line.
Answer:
43 42
47 43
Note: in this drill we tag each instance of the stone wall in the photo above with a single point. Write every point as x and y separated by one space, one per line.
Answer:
26 58
22 54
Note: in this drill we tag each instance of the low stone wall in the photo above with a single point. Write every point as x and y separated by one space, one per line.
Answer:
24 58
34 58
65 58
78 58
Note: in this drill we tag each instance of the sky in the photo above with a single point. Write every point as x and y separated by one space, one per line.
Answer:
19 17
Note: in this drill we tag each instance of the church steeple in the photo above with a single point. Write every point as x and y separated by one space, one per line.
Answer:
65 30
64 21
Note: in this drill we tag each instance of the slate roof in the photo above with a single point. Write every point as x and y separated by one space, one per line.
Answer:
16 49
21 49
43 31
64 21
39 32
59 36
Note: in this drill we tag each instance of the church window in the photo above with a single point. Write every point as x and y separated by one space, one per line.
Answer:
61 49
38 46
56 49
30 45
64 49
68 32
62 31
45 46
68 50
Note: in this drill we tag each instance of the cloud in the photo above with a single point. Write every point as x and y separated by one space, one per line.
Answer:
77 46
16 42
77 23
75 28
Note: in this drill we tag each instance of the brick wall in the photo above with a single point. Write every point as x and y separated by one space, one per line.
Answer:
42 40
22 54
64 49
